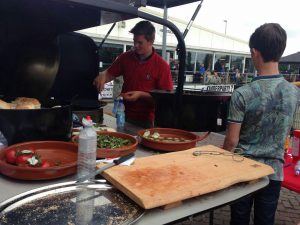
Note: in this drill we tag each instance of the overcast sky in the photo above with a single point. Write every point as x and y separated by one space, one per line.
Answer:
244 16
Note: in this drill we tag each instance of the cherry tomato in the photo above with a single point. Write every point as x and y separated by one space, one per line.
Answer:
22 159
23 155
10 156
45 164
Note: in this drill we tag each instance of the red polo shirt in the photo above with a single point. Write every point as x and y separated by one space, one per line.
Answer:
148 75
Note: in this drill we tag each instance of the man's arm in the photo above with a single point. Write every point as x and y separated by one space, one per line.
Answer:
232 136
101 79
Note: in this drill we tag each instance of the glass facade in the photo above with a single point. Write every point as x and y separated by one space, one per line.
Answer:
221 62
249 67
128 47
190 62
237 62
108 53
204 58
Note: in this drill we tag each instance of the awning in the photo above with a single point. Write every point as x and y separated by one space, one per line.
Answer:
291 59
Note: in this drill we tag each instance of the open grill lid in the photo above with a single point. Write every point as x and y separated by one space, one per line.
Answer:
39 19
63 67
41 57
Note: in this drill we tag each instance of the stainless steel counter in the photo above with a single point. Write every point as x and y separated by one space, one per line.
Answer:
11 187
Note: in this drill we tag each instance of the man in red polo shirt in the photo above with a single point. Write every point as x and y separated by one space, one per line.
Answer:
143 70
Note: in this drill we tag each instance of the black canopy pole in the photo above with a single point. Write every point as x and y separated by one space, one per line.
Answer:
192 19
108 33
164 38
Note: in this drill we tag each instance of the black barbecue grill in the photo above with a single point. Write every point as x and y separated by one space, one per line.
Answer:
42 57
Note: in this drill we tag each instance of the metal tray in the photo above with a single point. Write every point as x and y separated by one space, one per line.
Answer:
70 203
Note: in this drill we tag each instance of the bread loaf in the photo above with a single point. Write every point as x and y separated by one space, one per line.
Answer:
4 105
27 102
25 105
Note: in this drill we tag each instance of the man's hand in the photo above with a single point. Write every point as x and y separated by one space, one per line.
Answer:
99 82
132 96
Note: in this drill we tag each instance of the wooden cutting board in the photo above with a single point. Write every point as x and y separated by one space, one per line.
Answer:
163 179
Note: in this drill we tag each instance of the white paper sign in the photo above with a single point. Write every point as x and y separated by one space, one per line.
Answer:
108 90
229 88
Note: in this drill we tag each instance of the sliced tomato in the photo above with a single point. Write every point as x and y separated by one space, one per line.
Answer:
10 156
22 160
45 164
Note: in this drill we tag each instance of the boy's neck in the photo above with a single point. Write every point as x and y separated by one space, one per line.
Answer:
268 69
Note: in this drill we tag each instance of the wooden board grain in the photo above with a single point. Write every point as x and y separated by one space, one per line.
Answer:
159 180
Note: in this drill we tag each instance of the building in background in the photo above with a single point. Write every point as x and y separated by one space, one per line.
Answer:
203 45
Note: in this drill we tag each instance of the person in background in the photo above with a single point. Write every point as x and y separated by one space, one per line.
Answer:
207 74
174 66
222 73
202 69
218 66
232 75
237 76
259 119
213 78
222 69
143 70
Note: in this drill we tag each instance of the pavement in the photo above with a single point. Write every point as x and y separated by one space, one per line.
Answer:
288 212
288 209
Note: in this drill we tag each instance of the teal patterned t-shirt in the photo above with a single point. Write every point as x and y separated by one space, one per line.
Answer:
265 108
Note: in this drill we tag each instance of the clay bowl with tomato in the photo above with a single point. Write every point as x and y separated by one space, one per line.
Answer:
113 149
39 160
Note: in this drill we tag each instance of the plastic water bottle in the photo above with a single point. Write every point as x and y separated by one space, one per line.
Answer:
297 168
116 102
87 148
86 165
120 115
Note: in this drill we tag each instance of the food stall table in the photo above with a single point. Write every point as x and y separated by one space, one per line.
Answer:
12 187
291 181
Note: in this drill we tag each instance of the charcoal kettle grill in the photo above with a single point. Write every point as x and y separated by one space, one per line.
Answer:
42 57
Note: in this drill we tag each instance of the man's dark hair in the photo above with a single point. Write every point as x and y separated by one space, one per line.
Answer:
270 40
144 28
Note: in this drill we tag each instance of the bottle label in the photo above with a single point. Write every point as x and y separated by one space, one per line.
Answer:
87 144
86 163
87 147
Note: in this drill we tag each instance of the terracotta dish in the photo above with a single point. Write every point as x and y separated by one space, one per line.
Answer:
116 152
189 139
56 152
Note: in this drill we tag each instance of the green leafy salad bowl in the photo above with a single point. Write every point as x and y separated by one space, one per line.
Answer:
113 144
